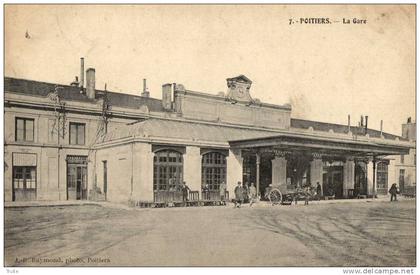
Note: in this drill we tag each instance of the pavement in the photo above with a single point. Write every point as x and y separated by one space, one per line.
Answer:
348 233
17 204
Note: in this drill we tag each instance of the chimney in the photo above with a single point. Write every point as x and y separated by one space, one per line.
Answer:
348 124
75 83
167 96
409 130
382 124
82 72
145 93
366 124
90 83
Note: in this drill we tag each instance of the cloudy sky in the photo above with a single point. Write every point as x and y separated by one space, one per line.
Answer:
326 71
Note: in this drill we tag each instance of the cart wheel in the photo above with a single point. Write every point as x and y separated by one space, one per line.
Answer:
275 196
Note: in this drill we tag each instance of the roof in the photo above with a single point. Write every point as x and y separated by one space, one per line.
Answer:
72 93
337 128
185 130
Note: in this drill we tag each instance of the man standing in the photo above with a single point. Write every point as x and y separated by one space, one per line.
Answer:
307 192
206 192
252 194
185 190
393 191
222 189
239 195
245 190
318 191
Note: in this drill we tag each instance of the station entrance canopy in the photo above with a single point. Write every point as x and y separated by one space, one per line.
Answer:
351 146
339 162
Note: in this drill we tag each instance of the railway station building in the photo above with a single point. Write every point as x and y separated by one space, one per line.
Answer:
75 142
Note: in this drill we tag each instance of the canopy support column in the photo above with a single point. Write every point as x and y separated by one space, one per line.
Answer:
374 177
258 172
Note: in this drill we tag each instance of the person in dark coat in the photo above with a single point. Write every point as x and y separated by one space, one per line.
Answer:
318 190
245 189
185 189
393 191
239 195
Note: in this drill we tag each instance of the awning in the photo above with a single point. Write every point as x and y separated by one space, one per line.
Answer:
345 146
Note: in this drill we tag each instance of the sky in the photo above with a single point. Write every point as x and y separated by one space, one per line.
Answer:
325 71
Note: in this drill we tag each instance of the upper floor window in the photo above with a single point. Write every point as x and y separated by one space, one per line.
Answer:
24 129
77 133
402 159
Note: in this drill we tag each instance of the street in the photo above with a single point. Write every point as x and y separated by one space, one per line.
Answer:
341 234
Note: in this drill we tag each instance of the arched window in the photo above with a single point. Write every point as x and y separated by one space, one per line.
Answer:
167 164
213 165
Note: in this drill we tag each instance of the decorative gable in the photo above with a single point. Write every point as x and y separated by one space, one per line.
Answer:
238 89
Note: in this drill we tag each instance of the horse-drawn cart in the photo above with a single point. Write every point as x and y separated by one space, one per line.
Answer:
283 194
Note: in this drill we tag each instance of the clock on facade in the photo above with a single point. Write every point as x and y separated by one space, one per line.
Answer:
238 89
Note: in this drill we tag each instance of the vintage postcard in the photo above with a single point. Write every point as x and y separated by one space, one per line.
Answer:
210 135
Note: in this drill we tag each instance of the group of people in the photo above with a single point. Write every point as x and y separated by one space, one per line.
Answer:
222 191
244 192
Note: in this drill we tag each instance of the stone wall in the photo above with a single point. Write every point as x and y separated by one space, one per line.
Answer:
199 106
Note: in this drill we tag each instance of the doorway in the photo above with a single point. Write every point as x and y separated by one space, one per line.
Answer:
298 170
24 183
360 179
76 178
249 171
332 179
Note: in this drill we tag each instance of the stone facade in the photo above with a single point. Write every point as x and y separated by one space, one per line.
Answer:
117 162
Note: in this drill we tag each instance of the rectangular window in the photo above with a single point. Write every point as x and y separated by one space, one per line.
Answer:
24 129
402 159
77 133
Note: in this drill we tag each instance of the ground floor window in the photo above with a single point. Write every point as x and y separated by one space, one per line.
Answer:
167 169
213 165
24 183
